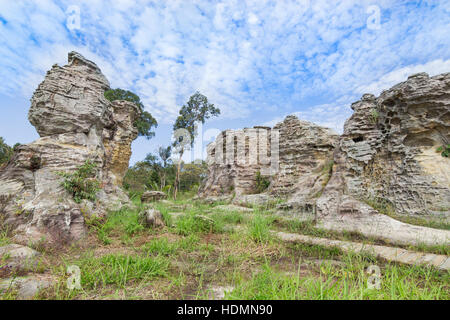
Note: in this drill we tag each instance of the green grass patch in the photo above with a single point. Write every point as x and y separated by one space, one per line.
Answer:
119 269
345 283
259 228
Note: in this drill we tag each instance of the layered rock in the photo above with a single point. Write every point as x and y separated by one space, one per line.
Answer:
75 123
293 156
387 158
234 159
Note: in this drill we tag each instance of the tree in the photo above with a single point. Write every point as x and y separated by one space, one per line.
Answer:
164 155
145 122
5 151
198 109
192 174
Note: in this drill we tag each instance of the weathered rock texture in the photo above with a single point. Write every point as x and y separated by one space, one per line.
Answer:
234 159
386 157
75 123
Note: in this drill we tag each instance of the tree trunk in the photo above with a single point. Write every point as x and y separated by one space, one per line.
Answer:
177 176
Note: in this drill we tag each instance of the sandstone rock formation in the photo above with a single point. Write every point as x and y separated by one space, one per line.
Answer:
75 123
387 157
385 160
234 159
295 156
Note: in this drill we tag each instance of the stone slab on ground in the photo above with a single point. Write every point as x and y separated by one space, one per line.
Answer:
389 253
27 287
233 207
17 256
218 292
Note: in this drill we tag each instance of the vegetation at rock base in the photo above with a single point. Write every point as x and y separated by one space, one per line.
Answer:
82 183
228 247
145 123
261 182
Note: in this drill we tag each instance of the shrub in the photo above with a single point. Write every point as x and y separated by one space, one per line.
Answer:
82 184
374 115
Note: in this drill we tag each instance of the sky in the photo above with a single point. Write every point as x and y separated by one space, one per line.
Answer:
258 61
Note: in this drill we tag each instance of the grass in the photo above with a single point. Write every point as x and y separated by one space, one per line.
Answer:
122 260
347 283
4 238
119 269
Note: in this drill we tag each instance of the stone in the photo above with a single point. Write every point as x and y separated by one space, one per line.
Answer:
18 257
152 218
253 199
300 150
387 155
27 287
388 253
149 196
75 123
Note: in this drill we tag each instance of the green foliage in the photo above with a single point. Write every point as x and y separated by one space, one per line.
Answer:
192 222
192 174
374 115
347 282
82 184
444 150
6 151
262 183
145 122
197 109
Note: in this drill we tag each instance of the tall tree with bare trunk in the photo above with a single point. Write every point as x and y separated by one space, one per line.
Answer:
197 109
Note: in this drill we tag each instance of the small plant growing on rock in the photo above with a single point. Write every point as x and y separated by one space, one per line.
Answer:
444 150
82 184
262 183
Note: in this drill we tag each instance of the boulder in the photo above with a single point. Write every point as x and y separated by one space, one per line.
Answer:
149 196
151 218
15 257
27 287
76 123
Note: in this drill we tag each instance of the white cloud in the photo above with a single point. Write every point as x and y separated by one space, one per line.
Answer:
399 75
251 58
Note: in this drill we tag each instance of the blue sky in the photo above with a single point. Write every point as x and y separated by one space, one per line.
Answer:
258 61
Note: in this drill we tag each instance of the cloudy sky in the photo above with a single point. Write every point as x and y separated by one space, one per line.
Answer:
258 61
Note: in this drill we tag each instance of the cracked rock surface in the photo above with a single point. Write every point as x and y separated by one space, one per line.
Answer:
75 123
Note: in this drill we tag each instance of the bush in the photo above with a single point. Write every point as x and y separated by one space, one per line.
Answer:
262 183
82 184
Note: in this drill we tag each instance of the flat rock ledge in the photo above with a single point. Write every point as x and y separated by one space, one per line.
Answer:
388 253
